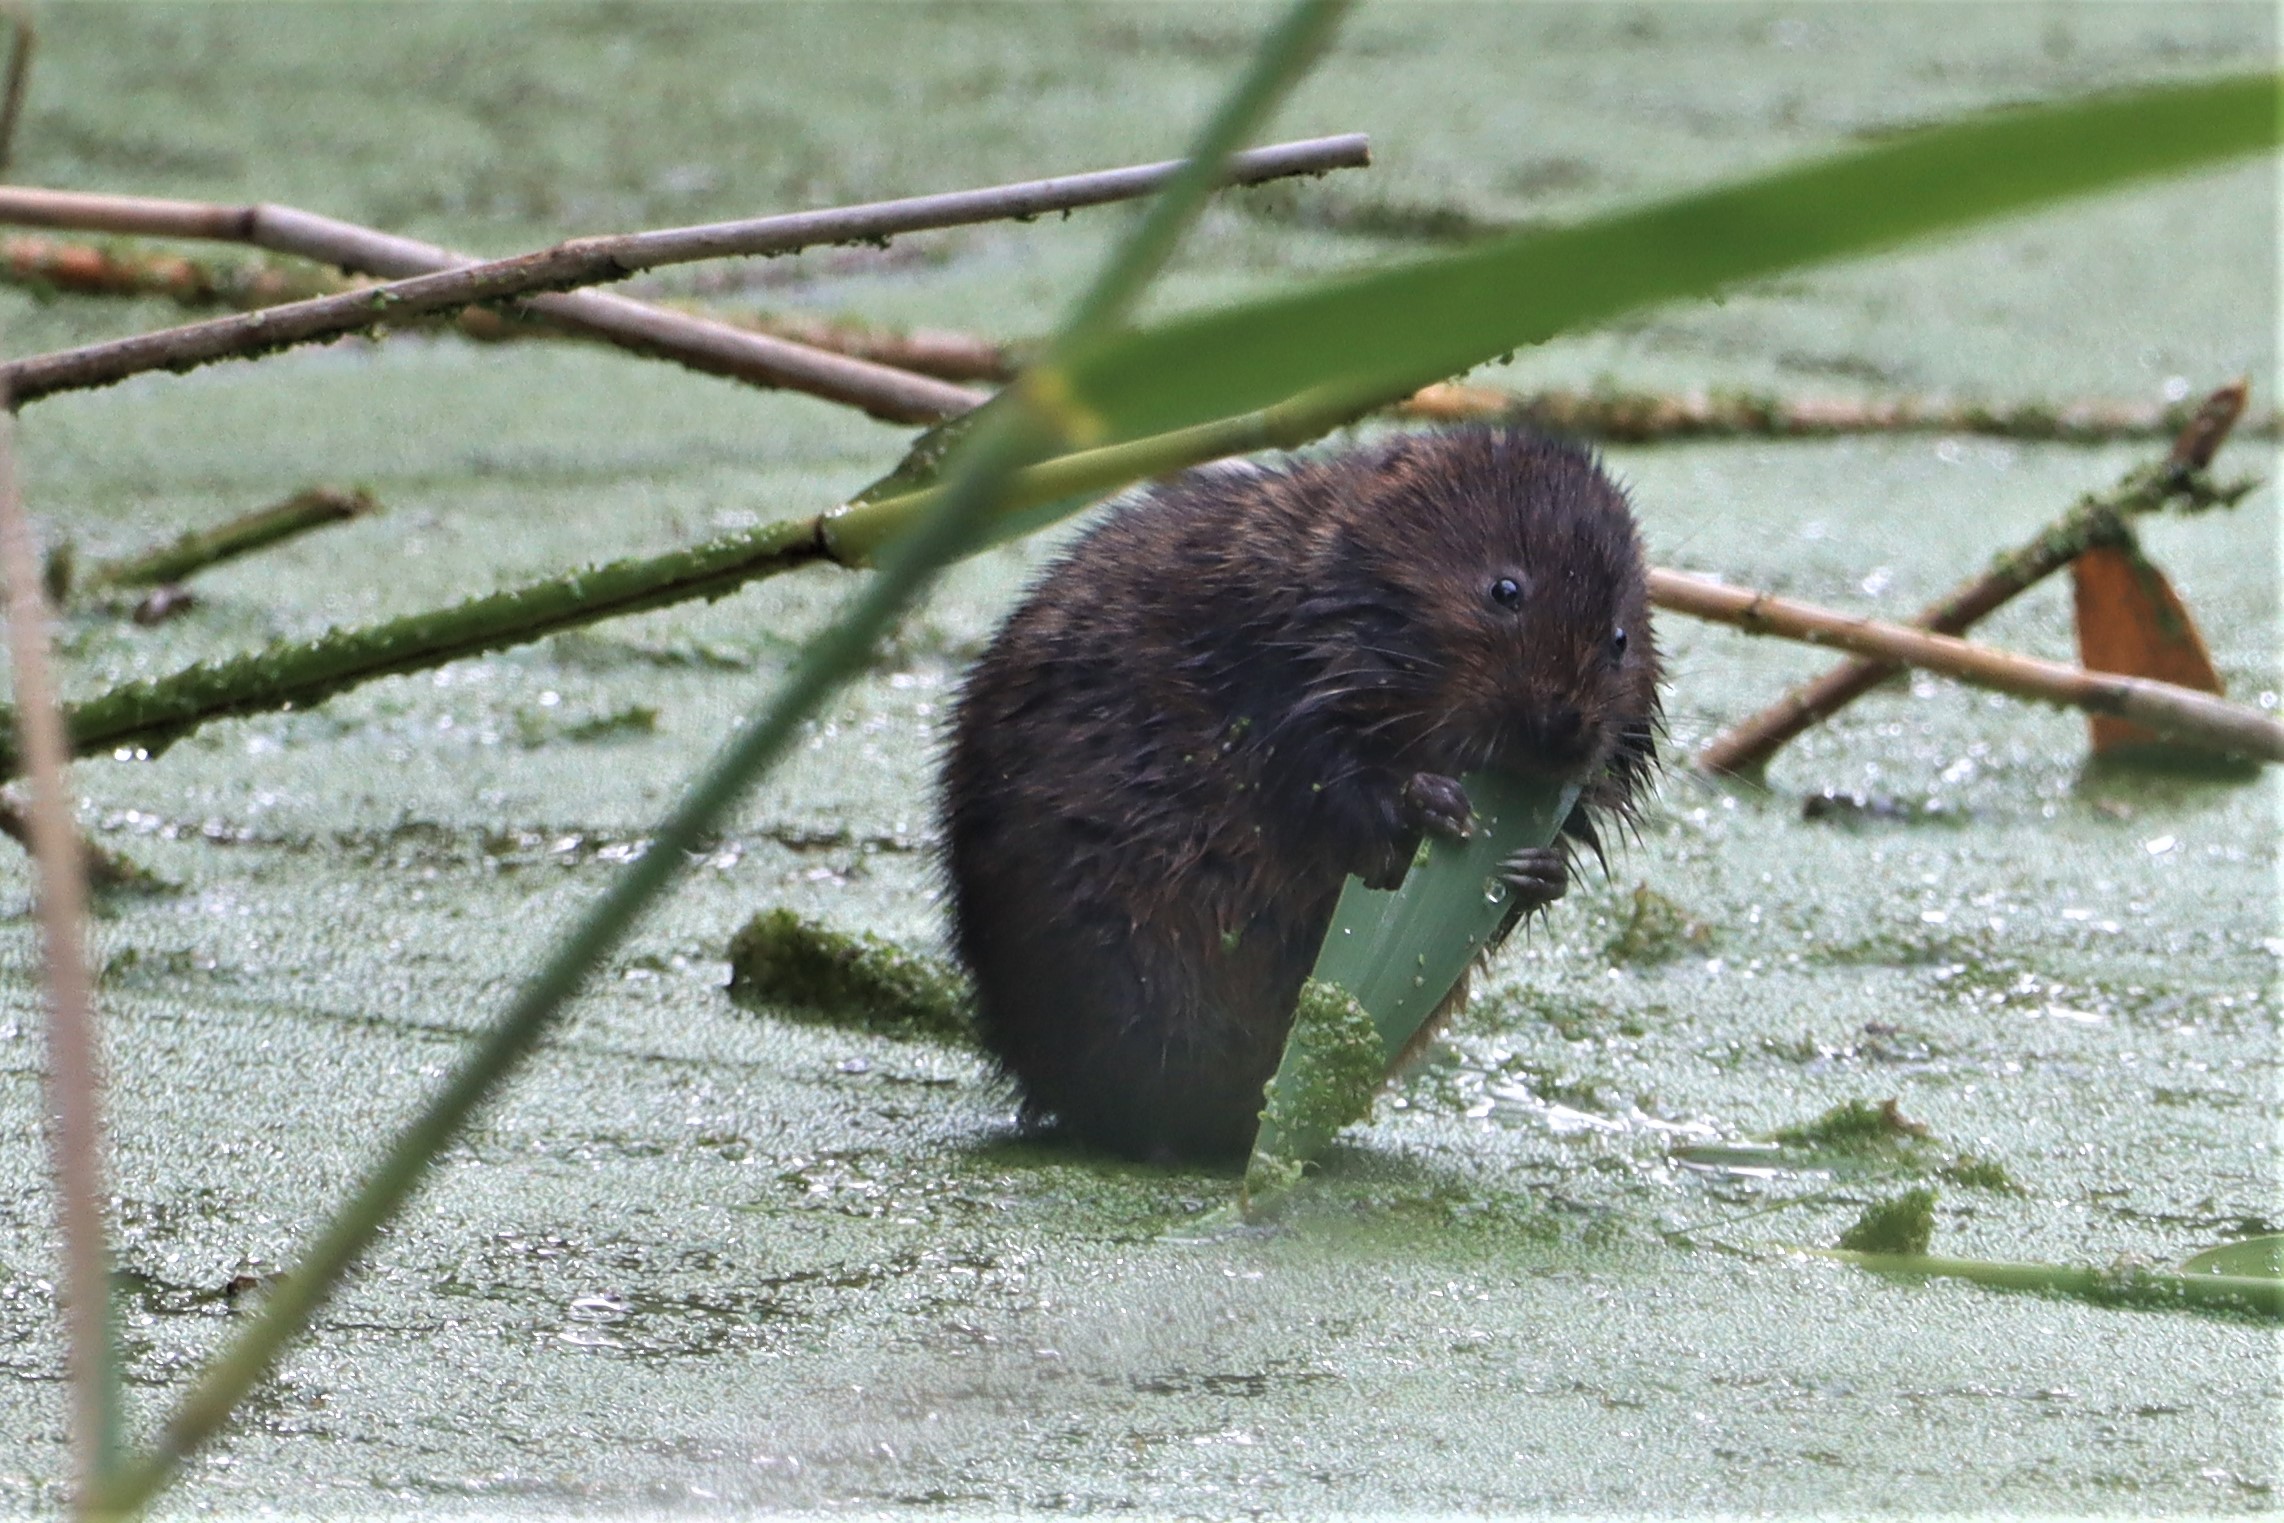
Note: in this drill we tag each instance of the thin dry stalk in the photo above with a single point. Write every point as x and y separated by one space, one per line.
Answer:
717 348
1635 417
87 269
940 352
1745 748
2181 712
74 1082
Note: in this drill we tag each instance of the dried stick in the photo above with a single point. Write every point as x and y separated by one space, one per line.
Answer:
311 508
1624 417
709 346
1633 417
87 269
396 302
2178 711
940 352
74 1082
2097 519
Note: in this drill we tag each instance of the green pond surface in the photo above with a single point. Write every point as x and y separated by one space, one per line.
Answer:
702 1256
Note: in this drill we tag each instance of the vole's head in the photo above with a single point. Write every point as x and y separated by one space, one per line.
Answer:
1495 579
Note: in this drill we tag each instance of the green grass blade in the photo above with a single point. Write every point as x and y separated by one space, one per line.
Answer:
1406 326
982 468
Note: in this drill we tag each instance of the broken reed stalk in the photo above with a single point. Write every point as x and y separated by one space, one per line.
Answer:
74 1067
2099 518
2177 711
310 508
1637 417
2257 1295
426 278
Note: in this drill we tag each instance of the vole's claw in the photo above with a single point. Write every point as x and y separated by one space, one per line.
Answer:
1538 875
1439 805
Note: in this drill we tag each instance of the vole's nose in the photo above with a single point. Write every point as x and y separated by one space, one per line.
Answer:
1565 730
1558 735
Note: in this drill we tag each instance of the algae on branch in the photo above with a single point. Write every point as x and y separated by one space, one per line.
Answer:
1334 1064
1656 929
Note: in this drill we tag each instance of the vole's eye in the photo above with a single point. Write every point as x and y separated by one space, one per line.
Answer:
1617 642
1507 592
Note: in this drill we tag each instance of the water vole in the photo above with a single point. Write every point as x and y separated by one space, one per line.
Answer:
1240 687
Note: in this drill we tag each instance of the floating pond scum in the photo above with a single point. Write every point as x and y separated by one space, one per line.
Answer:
1390 958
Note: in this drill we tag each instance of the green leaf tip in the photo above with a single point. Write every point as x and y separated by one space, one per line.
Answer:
2252 1258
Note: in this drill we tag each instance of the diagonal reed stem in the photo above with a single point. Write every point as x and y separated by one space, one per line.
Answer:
74 1073
1032 425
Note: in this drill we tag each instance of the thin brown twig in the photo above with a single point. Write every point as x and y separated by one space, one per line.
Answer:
74 1082
2183 712
88 269
392 304
1634 417
1744 749
941 352
714 347
91 269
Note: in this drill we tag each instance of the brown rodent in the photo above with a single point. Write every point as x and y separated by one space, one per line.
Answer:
1239 688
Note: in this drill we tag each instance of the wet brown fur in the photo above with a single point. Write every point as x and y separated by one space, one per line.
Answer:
1202 720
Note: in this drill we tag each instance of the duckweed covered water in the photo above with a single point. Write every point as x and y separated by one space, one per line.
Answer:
701 1256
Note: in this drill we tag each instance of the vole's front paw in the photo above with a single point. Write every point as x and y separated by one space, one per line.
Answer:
1438 805
1538 875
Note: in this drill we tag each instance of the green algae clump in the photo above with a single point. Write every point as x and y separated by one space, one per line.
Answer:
1854 1126
1904 1225
861 981
1655 930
